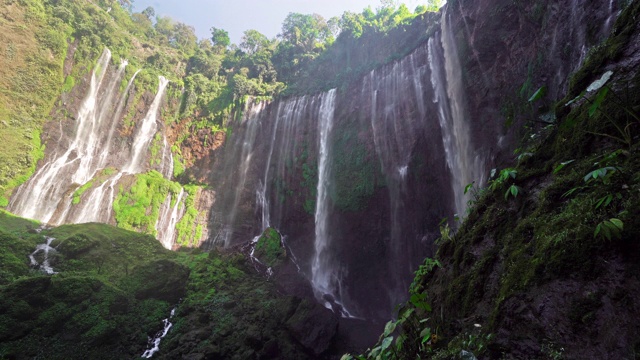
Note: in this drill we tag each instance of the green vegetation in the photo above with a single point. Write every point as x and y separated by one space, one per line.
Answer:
78 193
269 249
102 302
354 170
224 295
30 76
138 208
190 227
363 42
113 287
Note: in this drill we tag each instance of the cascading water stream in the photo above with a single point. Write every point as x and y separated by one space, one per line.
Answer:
246 154
324 272
97 207
146 132
40 196
154 344
47 196
262 192
166 166
45 249
390 90
465 166
166 225
114 122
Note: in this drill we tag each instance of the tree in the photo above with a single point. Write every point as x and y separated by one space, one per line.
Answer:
305 31
253 41
433 5
184 38
220 38
149 12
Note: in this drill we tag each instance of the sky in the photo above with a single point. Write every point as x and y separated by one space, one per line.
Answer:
236 16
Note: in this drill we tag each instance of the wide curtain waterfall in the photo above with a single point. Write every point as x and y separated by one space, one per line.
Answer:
356 179
86 157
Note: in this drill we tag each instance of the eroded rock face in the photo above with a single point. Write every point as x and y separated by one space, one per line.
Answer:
313 326
398 156
509 50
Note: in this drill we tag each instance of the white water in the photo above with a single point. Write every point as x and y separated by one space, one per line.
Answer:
167 221
45 249
40 196
262 193
93 209
114 122
325 277
145 133
166 166
154 344
465 166
47 196
246 154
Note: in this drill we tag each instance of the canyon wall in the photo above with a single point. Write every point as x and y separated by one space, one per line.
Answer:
356 179
395 149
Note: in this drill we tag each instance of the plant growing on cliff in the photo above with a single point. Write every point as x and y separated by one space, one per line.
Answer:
609 229
503 178
604 94
446 234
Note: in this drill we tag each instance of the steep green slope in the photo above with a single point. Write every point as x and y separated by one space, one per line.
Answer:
112 288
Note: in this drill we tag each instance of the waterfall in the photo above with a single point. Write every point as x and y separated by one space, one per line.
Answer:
114 122
97 207
465 166
48 194
325 277
251 120
45 249
262 192
166 225
40 197
154 344
146 131
166 165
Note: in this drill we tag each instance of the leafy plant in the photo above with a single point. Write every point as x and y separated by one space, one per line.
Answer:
606 200
513 190
603 174
446 234
623 134
502 178
610 229
538 94
562 166
475 195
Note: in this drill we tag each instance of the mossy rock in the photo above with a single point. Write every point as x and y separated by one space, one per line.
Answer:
269 248
162 279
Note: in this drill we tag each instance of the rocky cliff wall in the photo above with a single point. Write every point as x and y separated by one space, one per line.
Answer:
404 143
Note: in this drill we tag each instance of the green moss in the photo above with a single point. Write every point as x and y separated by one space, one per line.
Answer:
178 166
354 170
156 150
139 207
188 228
269 248
81 190
69 83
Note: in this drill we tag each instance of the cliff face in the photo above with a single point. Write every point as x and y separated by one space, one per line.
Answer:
533 275
356 178
402 144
